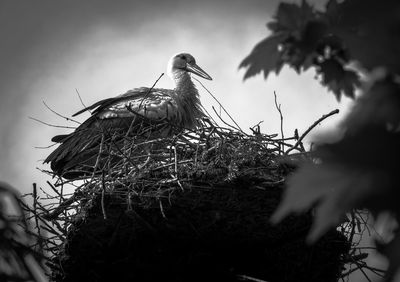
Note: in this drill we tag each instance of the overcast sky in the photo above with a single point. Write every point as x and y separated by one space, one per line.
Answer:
103 48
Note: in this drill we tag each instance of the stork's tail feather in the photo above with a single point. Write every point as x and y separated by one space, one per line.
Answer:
60 138
95 105
73 150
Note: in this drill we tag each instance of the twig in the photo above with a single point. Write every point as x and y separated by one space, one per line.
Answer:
296 137
55 190
52 125
224 122
256 128
360 267
222 107
80 99
98 156
278 107
175 161
60 115
35 202
45 147
310 128
148 92
208 115
243 277
162 208
61 207
103 184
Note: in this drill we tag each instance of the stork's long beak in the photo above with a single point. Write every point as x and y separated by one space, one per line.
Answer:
197 70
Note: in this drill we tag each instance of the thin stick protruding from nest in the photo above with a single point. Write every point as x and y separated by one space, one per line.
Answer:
151 88
310 128
51 125
278 107
60 115
222 107
80 99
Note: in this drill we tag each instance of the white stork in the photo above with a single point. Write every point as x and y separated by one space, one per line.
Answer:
117 116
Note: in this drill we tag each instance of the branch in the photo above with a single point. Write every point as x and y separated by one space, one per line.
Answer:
60 115
278 107
80 98
148 92
52 125
222 107
310 128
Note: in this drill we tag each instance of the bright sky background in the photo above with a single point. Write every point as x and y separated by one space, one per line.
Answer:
103 48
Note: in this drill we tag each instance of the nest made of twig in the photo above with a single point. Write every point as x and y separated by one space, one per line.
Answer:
191 207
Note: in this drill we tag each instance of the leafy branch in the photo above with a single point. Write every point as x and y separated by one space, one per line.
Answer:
361 169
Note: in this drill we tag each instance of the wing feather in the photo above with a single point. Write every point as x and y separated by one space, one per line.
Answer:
113 115
133 94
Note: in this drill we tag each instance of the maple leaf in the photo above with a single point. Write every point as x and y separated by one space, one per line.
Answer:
337 79
301 35
299 53
264 57
292 18
293 38
370 30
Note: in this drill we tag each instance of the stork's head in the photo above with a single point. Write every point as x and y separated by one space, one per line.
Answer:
184 62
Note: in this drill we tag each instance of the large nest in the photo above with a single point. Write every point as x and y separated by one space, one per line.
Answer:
193 207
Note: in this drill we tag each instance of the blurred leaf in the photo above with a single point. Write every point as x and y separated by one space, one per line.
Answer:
329 189
392 252
359 171
286 44
291 18
299 51
379 105
371 147
363 30
300 35
17 260
370 30
338 79
264 57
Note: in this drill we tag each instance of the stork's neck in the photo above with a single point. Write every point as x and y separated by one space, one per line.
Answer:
183 83
187 98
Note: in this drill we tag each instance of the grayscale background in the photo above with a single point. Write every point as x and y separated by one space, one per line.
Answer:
102 48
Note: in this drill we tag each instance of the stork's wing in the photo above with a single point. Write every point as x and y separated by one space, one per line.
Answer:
157 105
154 104
137 93
140 100
115 117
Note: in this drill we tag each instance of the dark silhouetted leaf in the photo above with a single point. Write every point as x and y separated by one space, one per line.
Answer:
329 188
370 29
359 171
303 36
299 53
338 79
292 18
293 22
264 57
380 105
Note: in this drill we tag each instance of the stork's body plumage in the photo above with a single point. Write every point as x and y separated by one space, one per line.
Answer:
171 109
